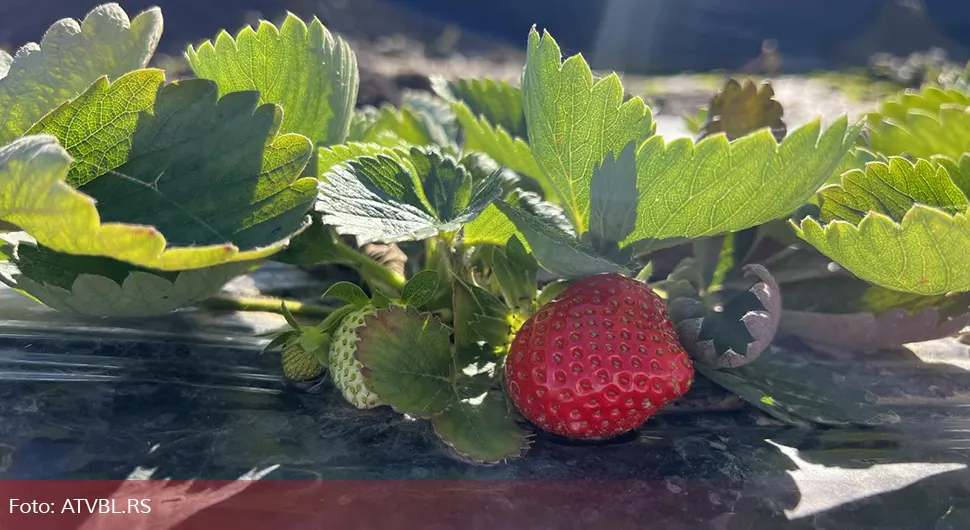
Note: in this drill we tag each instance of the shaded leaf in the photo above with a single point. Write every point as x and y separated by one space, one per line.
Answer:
573 122
420 288
70 57
799 392
348 292
556 251
516 271
102 287
303 68
479 316
482 431
613 197
407 361
715 187
198 182
741 108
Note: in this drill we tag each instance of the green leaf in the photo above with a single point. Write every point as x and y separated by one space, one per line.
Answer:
197 182
558 252
739 109
613 197
516 270
329 157
305 69
509 151
573 122
891 189
379 199
70 57
102 287
922 124
407 360
496 102
437 115
490 227
392 127
902 226
348 292
715 187
479 316
482 430
798 391
420 288
958 171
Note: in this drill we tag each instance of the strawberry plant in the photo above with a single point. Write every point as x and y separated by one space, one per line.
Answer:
538 220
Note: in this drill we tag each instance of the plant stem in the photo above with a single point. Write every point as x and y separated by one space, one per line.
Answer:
267 304
376 274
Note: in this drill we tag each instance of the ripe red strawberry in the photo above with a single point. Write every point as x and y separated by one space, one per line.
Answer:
598 360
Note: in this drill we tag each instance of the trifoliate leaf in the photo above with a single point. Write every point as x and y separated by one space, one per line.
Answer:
921 251
420 288
70 57
102 287
739 331
715 187
613 197
305 69
798 391
379 199
891 189
348 292
496 102
198 182
739 109
407 361
557 251
922 124
573 122
482 430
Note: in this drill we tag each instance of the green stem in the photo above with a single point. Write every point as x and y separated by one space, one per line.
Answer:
373 272
267 304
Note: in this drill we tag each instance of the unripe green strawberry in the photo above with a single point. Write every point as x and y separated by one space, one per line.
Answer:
344 366
598 360
299 364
